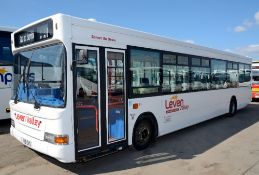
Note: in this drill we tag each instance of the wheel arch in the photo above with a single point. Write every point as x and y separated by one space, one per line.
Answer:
152 119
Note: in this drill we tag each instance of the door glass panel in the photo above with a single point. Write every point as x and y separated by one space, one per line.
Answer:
115 90
87 108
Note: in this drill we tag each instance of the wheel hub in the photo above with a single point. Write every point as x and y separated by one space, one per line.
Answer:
143 135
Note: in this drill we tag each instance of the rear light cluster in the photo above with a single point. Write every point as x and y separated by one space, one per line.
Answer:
56 139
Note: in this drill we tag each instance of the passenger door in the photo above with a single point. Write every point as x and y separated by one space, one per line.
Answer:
115 95
87 100
99 85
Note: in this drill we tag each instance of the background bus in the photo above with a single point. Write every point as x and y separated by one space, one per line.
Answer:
83 88
6 70
255 80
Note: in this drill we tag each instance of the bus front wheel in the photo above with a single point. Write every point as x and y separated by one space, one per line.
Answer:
142 134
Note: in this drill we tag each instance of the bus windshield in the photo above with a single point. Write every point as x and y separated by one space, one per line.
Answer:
39 76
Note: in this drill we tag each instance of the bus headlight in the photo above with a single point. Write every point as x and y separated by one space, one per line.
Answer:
56 139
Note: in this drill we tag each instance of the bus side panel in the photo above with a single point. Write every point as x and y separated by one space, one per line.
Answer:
5 97
5 90
244 96
147 104
177 111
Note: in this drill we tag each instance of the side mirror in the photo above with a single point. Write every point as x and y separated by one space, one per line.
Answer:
81 57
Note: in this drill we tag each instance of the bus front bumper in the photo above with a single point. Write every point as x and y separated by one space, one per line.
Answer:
63 153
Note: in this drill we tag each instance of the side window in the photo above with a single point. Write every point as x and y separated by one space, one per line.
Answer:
218 74
241 72
145 71
200 74
182 74
6 57
247 74
169 73
232 75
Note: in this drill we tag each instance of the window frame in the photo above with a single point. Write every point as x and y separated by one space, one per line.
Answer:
232 68
131 94
201 66
162 70
160 86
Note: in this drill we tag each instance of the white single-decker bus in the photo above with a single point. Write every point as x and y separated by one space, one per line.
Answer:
85 88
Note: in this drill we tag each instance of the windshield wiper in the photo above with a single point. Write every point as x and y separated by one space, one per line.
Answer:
17 91
36 104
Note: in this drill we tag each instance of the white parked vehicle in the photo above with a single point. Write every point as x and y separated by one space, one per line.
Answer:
83 88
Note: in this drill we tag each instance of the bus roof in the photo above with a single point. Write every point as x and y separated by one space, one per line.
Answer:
7 29
192 49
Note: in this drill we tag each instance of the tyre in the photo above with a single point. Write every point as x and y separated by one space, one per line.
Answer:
142 134
232 108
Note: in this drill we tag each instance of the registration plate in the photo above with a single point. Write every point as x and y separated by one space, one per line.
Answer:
26 142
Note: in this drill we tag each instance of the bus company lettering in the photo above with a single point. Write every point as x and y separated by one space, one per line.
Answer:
175 104
27 119
103 38
5 76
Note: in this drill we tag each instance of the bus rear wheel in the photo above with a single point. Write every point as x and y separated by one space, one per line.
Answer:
142 134
232 107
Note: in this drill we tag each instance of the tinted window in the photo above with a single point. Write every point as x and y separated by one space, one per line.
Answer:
234 65
6 57
205 62
232 75
218 74
230 65
247 74
241 74
175 77
169 73
196 61
183 60
145 75
182 78
169 59
169 78
200 78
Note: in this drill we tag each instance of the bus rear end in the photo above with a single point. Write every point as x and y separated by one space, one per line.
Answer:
255 80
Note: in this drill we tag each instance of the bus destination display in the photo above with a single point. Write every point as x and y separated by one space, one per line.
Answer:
34 34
